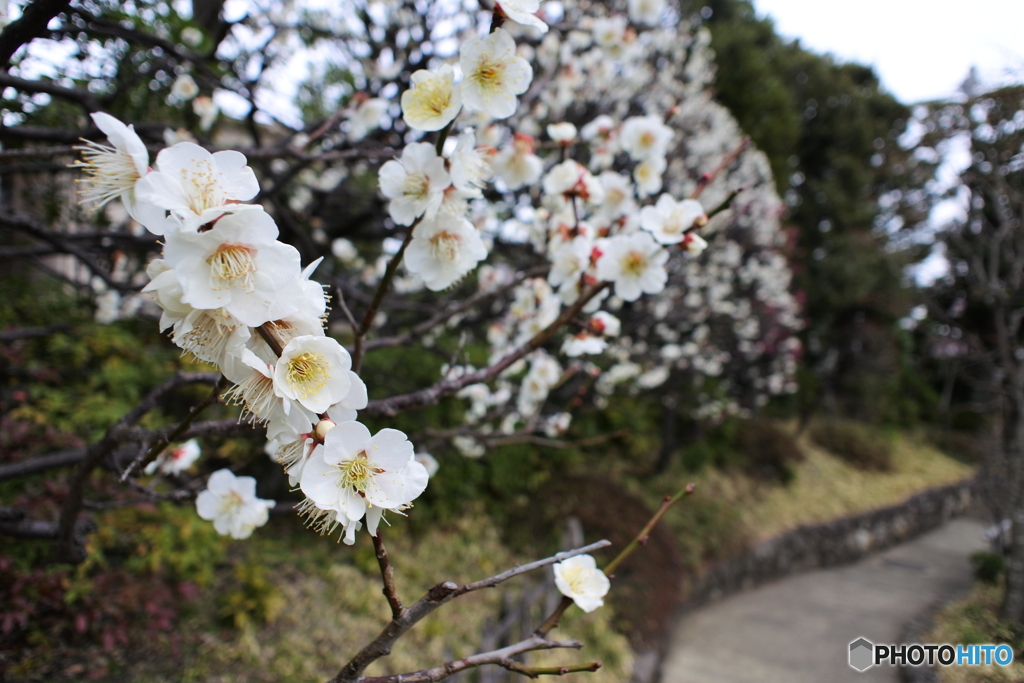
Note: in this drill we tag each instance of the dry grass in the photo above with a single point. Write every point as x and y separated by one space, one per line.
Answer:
973 621
825 487
333 610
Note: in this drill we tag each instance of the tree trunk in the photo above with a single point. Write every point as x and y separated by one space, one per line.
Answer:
1012 443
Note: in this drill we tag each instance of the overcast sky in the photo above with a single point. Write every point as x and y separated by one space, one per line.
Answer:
922 49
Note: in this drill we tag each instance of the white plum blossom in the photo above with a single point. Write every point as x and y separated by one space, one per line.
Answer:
468 446
175 460
113 171
669 220
582 344
206 109
517 165
693 244
357 474
443 250
570 177
646 11
562 133
610 35
618 197
522 12
237 265
635 263
184 88
428 461
647 175
493 74
197 187
433 101
366 117
230 502
470 169
644 137
579 578
605 323
314 371
415 183
569 261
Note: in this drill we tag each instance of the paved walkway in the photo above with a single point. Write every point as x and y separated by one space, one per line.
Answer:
798 629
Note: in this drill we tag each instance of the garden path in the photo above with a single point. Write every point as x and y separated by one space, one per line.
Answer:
798 629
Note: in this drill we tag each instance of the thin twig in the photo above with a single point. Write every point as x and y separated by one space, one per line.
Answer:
387 574
378 298
499 657
423 397
65 548
178 430
434 598
641 538
537 671
707 178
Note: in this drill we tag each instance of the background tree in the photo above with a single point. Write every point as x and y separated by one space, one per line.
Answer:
978 307
832 135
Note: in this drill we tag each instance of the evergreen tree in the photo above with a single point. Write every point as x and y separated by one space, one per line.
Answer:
831 133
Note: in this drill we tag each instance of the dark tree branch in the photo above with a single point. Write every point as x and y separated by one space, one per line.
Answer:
392 406
42 463
83 97
387 573
31 24
67 550
434 598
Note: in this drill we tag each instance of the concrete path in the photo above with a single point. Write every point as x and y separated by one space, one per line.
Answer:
798 629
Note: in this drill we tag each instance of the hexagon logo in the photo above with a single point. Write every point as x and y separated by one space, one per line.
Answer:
862 653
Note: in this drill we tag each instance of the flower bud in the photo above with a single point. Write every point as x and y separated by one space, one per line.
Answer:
321 429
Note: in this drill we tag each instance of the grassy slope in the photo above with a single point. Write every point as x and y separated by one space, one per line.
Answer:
973 620
827 488
730 510
328 604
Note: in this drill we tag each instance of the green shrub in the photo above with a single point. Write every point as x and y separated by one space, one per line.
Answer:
988 567
769 451
855 443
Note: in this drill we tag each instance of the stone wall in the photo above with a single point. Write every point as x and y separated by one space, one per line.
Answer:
826 545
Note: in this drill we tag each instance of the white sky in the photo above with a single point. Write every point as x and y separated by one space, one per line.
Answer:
922 49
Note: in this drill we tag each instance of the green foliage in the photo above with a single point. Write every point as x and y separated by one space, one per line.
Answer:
253 600
769 450
988 567
164 539
858 444
831 134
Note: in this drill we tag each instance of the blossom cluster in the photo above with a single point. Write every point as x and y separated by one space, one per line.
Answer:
233 295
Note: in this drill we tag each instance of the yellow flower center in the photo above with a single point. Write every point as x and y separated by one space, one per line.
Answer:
429 99
230 503
232 266
488 74
576 577
308 373
444 246
634 263
356 472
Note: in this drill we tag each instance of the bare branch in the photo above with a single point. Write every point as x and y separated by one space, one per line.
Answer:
66 547
31 24
502 657
156 448
51 461
83 97
417 399
387 573
434 598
